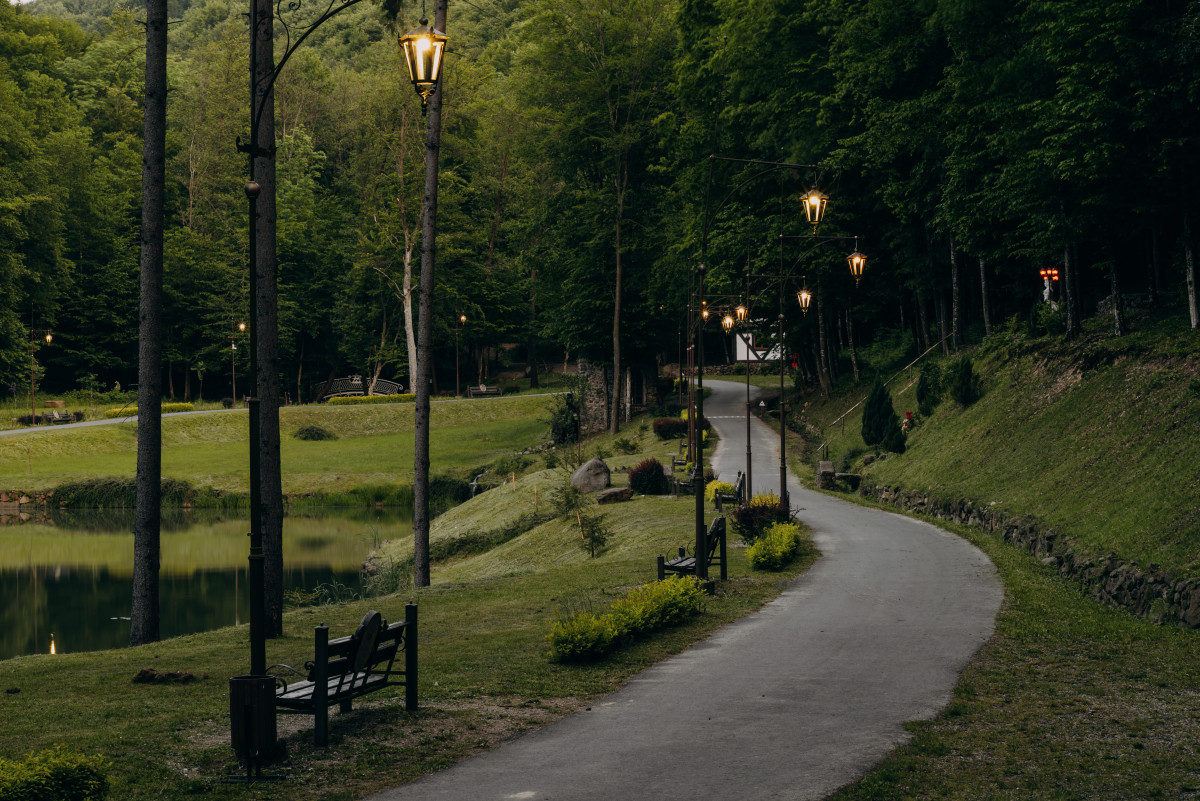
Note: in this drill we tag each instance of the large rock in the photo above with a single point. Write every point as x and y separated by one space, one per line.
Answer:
591 476
614 495
825 475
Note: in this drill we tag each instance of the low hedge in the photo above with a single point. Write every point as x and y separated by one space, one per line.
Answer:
776 548
752 520
585 636
674 428
712 488
54 775
130 411
351 400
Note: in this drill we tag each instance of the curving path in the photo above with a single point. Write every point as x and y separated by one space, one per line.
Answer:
790 703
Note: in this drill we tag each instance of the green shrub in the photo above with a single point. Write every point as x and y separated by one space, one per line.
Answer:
711 490
753 519
648 478
774 549
879 416
314 434
929 388
670 428
55 774
625 445
564 420
117 493
352 400
584 636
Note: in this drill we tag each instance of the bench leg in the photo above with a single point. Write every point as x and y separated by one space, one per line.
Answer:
321 725
724 561
410 658
344 706
662 572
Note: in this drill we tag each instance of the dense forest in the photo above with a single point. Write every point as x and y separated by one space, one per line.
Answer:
968 145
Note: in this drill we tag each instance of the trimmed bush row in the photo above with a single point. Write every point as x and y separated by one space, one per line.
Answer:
130 411
585 636
404 397
673 428
54 775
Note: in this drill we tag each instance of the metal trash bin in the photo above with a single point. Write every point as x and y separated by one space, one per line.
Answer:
252 718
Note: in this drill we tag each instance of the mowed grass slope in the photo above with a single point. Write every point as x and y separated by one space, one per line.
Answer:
1098 438
374 445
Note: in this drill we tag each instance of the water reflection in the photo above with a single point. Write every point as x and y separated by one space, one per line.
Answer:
65 578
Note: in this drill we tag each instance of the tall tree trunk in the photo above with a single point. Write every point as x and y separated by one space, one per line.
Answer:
266 300
853 350
531 348
144 611
1118 303
983 291
1188 254
955 307
496 209
1153 278
1069 289
614 418
923 319
822 350
425 334
941 321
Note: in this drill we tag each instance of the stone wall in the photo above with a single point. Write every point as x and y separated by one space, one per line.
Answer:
1147 592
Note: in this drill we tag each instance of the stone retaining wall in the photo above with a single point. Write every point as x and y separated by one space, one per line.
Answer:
1147 592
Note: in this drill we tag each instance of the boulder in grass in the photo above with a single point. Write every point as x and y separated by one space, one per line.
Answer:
591 476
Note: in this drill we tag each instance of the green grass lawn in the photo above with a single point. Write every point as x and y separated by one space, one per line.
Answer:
374 445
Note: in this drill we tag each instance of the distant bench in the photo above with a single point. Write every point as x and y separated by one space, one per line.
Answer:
483 390
350 667
55 416
686 565
736 496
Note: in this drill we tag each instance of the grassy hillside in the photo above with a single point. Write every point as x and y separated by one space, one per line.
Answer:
1098 437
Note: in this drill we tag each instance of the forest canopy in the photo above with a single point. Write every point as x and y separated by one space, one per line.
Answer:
967 145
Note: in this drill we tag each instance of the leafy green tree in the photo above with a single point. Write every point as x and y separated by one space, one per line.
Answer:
879 419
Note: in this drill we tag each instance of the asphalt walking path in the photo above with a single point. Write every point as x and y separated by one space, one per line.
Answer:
791 702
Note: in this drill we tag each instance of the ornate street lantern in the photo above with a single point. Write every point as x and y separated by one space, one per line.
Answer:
857 262
727 322
815 202
742 312
423 49
805 298
1050 274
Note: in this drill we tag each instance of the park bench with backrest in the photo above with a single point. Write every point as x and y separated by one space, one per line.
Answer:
686 565
350 667
55 416
483 391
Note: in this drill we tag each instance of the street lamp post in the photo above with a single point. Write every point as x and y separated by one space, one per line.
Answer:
425 44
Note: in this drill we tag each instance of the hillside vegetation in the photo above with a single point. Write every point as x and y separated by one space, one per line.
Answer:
1097 437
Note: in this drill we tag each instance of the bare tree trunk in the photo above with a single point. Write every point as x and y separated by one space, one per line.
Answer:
941 321
853 350
955 311
983 291
144 611
531 348
425 335
1152 282
1069 288
822 353
614 418
924 320
1118 303
1188 255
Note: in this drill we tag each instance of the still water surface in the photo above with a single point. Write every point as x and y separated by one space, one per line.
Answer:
66 579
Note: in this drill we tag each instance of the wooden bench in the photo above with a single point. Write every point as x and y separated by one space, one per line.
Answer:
739 487
55 416
350 667
686 565
483 390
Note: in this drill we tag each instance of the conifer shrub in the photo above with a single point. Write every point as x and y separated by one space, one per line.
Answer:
929 388
55 774
879 416
649 478
965 386
752 520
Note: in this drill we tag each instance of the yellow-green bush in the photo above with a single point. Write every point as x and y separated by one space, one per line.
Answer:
130 411
713 487
775 548
54 775
405 397
585 636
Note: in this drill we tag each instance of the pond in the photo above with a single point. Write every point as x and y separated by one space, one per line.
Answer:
66 577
